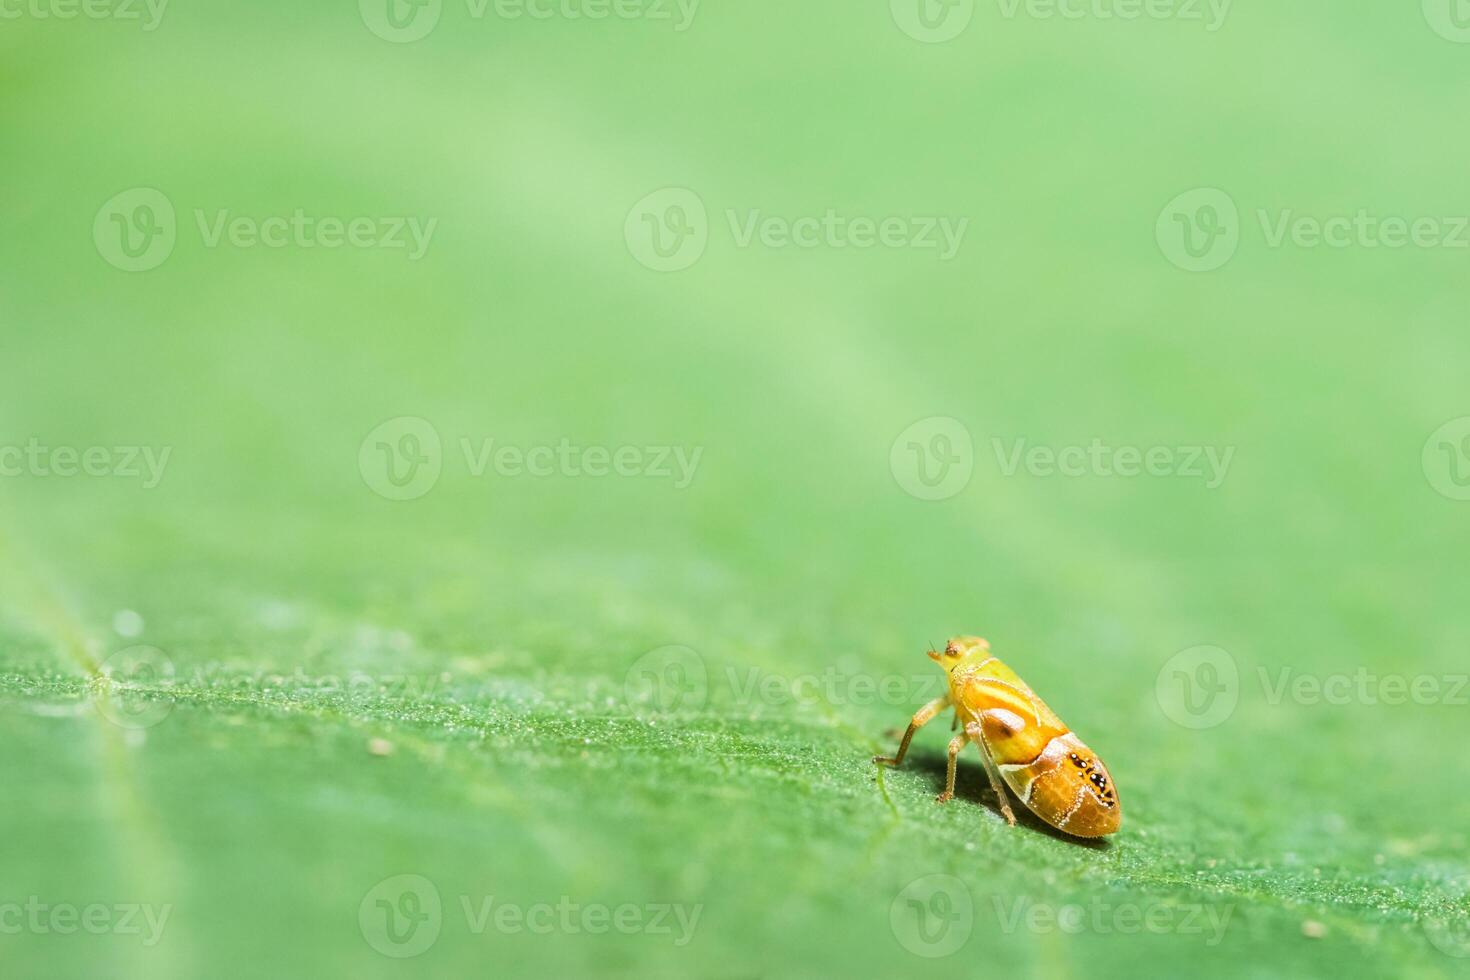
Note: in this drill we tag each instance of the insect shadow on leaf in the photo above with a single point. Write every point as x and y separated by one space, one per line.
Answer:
971 786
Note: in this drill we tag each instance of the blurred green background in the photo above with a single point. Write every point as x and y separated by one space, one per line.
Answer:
248 694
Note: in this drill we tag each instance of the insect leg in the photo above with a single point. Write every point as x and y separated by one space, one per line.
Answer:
921 718
955 745
996 782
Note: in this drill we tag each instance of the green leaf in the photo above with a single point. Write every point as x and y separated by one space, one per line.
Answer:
345 649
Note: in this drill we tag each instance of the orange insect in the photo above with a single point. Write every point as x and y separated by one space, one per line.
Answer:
1023 744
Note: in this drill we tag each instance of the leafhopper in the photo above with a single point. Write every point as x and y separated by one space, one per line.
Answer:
1023 744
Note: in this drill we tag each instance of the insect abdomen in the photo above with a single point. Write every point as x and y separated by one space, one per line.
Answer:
1067 786
1058 777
